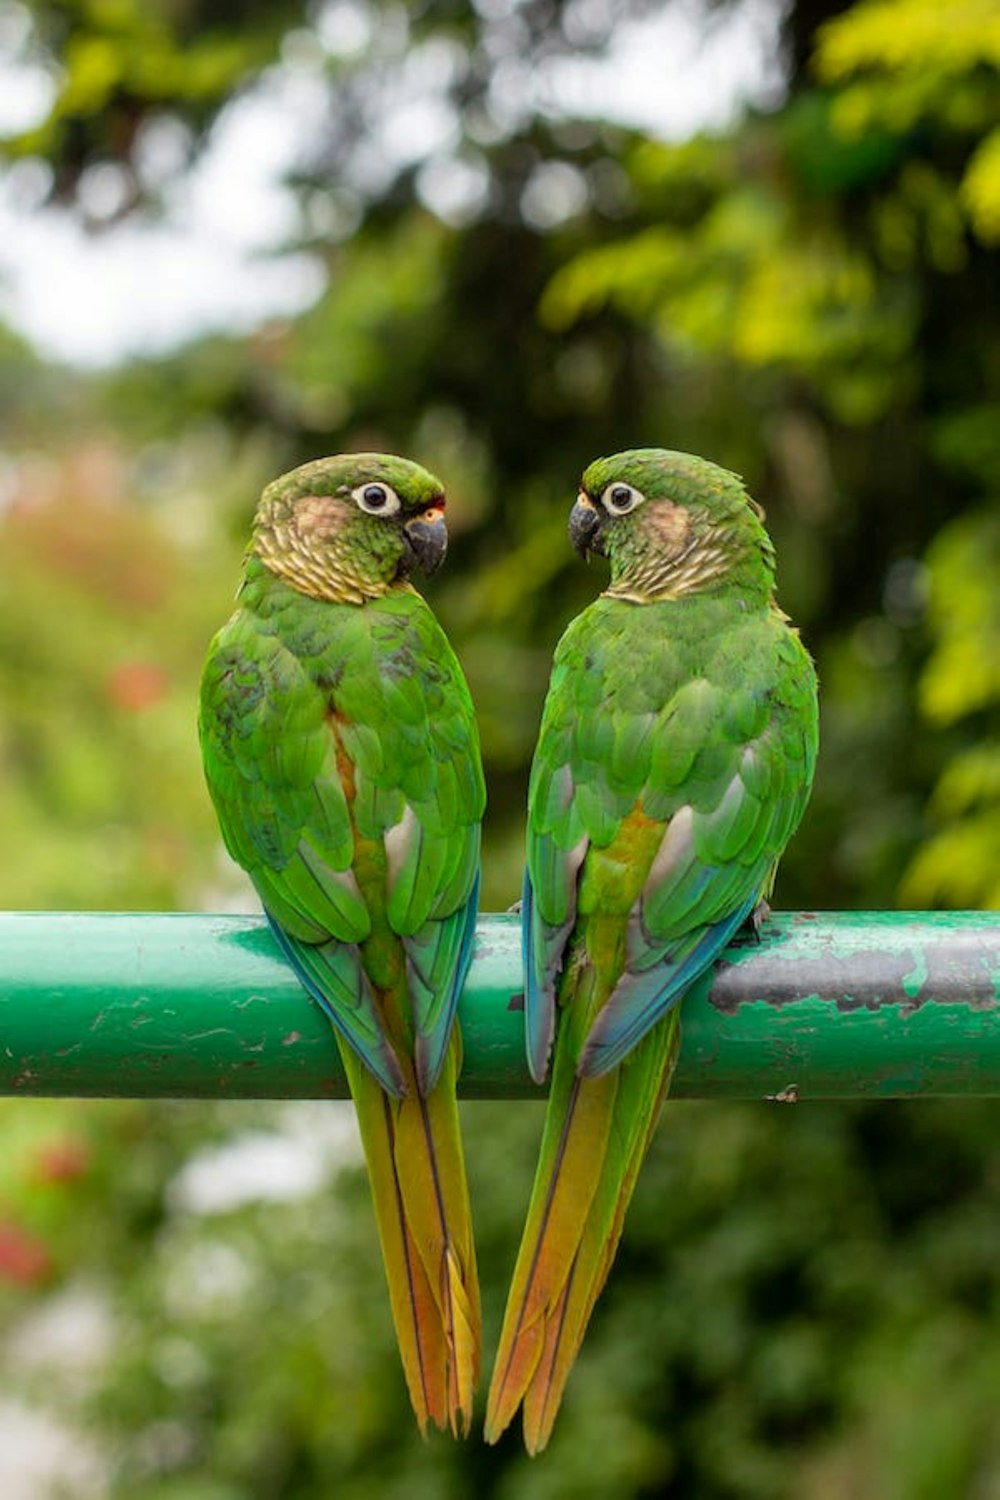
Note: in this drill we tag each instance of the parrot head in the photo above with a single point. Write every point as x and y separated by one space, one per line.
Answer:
347 528
669 524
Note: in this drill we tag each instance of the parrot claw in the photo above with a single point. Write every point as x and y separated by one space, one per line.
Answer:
749 930
757 918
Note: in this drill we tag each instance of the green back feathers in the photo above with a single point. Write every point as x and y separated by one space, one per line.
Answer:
676 749
342 755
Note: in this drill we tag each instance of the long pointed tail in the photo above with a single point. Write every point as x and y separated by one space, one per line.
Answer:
596 1134
417 1173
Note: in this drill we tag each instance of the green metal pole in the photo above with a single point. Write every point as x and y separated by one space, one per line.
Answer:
827 1005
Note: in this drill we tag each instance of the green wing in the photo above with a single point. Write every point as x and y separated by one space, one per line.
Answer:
341 754
408 725
719 759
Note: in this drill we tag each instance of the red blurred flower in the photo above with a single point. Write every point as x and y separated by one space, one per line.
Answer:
23 1258
136 685
62 1160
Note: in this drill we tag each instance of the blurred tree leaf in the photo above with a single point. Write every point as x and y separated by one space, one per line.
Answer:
960 862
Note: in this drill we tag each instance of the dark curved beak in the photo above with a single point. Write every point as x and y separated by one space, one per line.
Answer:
426 540
585 526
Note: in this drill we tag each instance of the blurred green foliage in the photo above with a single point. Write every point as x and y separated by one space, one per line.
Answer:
806 1303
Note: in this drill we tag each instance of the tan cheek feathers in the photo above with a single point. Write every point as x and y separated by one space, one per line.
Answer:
318 516
670 524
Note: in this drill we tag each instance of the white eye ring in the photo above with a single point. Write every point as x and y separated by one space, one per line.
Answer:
619 498
376 498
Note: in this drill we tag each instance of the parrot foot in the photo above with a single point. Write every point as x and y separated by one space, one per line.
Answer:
750 930
757 918
515 909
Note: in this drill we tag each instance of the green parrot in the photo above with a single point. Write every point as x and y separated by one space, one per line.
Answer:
342 756
674 762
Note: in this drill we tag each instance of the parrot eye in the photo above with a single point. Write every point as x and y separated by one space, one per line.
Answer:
619 499
376 499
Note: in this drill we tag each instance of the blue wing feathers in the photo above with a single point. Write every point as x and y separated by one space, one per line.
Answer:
643 997
437 960
336 967
538 940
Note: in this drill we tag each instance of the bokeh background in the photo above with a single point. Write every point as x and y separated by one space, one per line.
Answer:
502 238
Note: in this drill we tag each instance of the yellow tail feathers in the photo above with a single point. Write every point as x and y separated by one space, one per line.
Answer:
415 1165
596 1135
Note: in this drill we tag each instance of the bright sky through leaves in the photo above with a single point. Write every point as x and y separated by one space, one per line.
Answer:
94 298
